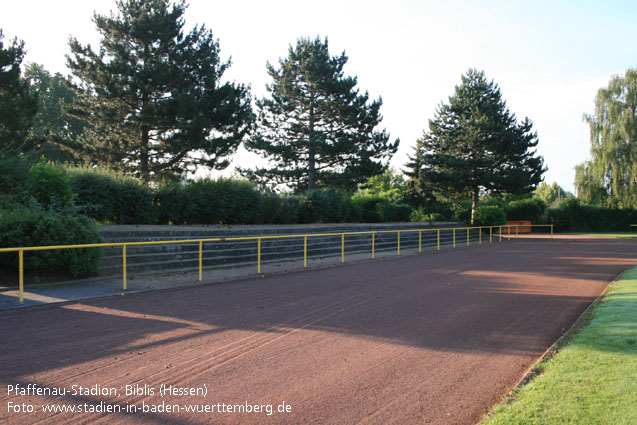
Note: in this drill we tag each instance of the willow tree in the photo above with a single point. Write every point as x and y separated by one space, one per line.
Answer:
475 145
153 94
317 129
610 177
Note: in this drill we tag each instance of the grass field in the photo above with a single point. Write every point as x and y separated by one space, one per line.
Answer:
591 377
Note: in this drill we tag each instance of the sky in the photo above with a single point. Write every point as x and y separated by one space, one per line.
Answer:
549 58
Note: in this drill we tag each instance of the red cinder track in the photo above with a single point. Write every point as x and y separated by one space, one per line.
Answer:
434 338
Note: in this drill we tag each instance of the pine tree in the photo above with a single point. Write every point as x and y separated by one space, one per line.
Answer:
17 104
475 145
610 177
153 96
316 129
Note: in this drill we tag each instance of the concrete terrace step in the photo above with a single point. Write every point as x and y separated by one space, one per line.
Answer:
227 253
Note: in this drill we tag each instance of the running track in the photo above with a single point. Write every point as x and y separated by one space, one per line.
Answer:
434 338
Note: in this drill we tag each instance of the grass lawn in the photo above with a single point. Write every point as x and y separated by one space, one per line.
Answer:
609 234
592 377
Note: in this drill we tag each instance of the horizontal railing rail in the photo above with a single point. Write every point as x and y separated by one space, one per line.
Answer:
503 231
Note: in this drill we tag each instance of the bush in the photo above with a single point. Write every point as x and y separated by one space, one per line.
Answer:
49 185
14 173
280 209
420 216
489 216
378 209
318 206
111 197
526 209
222 201
170 204
571 216
35 226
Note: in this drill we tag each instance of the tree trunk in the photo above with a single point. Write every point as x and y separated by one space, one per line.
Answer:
474 205
143 156
311 160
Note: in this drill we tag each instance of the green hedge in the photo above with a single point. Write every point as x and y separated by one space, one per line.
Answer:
35 226
110 197
207 201
571 216
377 209
527 209
489 216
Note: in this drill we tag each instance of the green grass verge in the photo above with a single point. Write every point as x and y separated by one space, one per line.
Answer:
626 235
591 377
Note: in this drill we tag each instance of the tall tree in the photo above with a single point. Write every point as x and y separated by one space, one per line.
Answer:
610 177
56 132
475 145
316 128
17 104
153 95
551 194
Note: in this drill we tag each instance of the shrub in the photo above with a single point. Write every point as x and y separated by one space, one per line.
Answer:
318 206
112 197
14 173
526 209
489 215
35 226
378 209
49 185
571 216
170 204
223 201
420 215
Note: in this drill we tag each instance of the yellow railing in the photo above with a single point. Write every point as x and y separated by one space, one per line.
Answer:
500 233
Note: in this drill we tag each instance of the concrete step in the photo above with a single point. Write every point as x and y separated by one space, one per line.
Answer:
227 253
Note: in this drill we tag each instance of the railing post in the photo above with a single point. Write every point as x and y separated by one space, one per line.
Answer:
398 253
509 231
124 264
21 273
500 233
517 232
420 241
467 236
480 236
200 260
490 234
438 239
373 244
454 237
259 256
304 251
343 248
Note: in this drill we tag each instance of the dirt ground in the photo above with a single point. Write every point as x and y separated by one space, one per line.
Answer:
434 338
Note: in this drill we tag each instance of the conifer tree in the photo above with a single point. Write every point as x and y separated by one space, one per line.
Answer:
316 128
17 104
153 94
475 145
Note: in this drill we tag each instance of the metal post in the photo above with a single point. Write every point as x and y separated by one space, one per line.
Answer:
259 256
517 233
438 239
373 244
500 233
124 264
509 231
343 248
304 251
490 234
454 237
420 241
21 272
200 260
480 230
398 244
467 236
